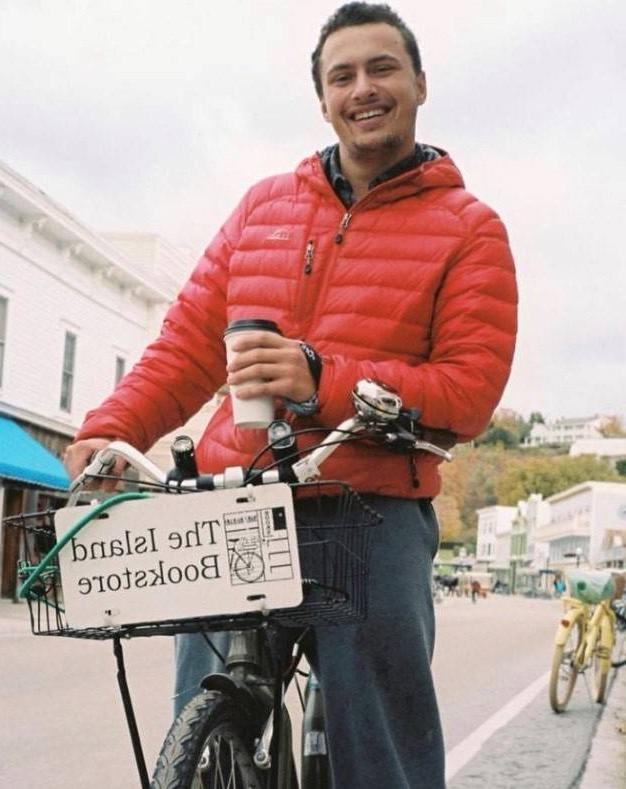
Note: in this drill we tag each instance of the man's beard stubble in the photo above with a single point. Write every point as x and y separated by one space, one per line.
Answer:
363 151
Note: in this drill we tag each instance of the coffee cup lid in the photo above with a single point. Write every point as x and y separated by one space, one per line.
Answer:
252 324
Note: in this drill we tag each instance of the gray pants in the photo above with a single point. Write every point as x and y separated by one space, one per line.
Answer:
382 719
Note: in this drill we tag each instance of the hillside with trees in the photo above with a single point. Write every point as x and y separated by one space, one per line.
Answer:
495 470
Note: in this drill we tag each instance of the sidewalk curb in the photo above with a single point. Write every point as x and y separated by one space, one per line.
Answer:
606 763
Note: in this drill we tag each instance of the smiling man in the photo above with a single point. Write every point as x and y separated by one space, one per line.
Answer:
370 88
376 263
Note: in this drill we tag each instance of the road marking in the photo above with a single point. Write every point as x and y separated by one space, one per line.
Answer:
462 753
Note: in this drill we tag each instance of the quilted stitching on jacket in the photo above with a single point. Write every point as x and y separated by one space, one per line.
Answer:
420 293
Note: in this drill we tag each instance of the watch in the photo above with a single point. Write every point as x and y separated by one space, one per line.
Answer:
305 408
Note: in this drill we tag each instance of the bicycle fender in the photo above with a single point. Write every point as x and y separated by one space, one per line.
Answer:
607 634
235 689
567 622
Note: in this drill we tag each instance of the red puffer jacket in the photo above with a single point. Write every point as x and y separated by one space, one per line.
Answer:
414 286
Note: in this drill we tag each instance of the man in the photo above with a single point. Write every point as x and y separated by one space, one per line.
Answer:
374 254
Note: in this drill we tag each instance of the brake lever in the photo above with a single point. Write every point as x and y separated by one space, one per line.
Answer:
101 463
401 440
426 446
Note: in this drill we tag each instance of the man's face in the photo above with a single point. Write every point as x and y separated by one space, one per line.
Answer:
370 91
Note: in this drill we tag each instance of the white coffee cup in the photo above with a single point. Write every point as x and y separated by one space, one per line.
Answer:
259 411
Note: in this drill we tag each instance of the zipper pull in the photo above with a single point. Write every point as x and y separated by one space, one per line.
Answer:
343 227
308 257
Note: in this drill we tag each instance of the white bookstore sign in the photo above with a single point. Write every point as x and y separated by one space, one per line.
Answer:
181 557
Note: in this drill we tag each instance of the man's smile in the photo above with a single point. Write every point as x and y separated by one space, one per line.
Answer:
367 114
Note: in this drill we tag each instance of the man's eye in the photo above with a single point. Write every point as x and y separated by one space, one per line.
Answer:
341 79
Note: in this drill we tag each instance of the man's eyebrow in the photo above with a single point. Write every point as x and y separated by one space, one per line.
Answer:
372 61
382 58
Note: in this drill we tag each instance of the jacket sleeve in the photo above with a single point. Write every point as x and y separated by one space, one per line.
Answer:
473 330
185 366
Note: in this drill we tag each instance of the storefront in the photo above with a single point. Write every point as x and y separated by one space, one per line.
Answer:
31 478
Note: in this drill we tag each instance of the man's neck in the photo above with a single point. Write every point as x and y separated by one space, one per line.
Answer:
361 171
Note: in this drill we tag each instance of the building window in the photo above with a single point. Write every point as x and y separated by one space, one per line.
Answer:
120 368
67 378
4 306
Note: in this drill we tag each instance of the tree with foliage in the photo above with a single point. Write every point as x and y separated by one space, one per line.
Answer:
470 479
506 428
613 428
549 475
620 467
496 434
449 518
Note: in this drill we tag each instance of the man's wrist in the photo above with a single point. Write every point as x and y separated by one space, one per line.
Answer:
314 360
311 405
306 407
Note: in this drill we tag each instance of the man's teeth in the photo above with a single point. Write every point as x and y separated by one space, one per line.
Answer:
362 116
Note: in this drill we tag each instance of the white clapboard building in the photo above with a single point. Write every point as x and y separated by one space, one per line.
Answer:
76 310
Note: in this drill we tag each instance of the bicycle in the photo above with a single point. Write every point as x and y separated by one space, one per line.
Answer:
237 731
585 637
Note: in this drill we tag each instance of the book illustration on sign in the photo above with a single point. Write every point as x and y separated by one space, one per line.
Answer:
258 545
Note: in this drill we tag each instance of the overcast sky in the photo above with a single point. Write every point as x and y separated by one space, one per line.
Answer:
156 115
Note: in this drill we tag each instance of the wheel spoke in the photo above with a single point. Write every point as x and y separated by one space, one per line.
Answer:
221 758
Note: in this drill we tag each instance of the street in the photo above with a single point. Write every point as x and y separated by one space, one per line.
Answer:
63 725
491 668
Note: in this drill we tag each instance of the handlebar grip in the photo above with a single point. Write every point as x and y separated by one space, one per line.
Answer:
205 482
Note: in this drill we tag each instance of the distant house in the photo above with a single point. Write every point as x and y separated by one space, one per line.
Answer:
493 540
587 526
565 431
529 557
612 449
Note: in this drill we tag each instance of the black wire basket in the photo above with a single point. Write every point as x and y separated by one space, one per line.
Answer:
333 525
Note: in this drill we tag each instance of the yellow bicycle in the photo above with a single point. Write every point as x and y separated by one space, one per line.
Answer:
585 637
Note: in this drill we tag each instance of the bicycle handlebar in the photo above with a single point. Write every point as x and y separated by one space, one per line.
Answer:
379 416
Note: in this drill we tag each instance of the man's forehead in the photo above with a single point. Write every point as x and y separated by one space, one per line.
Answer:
358 43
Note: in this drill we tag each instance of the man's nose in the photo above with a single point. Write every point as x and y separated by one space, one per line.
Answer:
363 86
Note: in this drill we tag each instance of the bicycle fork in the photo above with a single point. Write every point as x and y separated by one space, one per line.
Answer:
246 682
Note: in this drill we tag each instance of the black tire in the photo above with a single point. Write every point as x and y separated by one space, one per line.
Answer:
209 746
564 673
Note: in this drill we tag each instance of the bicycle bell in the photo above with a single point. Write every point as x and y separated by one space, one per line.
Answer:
374 401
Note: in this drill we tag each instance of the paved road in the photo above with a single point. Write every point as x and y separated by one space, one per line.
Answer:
486 653
62 725
506 647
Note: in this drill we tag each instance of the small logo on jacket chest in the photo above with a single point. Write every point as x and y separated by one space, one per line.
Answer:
280 234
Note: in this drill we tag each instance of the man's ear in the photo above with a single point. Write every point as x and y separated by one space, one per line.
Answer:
422 90
324 110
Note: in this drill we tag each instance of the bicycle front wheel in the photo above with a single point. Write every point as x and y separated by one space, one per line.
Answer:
564 673
209 746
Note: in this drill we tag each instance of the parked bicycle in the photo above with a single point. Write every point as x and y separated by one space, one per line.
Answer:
236 733
585 638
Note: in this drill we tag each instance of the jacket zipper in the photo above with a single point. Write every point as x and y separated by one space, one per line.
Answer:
309 255
303 304
343 227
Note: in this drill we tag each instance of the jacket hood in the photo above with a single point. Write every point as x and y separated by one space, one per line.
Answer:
436 174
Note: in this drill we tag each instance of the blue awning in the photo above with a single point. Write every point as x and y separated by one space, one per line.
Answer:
24 459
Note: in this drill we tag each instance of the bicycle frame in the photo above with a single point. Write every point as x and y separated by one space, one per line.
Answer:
597 623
